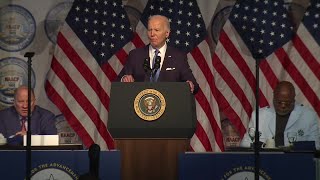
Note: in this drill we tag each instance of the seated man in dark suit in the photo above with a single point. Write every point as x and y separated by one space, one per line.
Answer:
13 120
172 63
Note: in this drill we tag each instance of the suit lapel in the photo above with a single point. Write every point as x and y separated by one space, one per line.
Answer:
294 116
15 121
166 62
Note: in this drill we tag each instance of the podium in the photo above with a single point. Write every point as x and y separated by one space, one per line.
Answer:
151 124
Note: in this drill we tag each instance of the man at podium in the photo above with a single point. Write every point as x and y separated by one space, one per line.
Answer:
158 62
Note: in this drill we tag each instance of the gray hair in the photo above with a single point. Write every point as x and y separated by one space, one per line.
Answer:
162 17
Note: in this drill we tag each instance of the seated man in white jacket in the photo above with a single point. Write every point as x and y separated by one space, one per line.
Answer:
285 116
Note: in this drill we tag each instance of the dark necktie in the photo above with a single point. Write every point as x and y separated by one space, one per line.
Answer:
23 124
155 72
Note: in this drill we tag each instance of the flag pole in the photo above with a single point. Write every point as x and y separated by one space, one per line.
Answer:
257 134
29 55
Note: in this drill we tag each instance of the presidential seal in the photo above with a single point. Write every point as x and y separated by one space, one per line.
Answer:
13 73
17 28
55 19
149 104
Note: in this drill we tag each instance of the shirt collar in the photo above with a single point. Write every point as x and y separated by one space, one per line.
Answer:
162 50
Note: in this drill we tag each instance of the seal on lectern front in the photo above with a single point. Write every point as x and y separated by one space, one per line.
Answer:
149 104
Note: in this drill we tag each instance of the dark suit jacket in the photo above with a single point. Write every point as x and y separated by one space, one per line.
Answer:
175 67
43 122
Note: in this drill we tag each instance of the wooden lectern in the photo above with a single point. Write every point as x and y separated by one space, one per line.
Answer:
151 124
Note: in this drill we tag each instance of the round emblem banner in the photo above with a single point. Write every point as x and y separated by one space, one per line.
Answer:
149 104
17 28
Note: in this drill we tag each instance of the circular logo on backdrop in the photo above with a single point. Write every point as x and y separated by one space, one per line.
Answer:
149 104
62 124
218 21
55 19
134 16
13 73
53 171
17 28
296 10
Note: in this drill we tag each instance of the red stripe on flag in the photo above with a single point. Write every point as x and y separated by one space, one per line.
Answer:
82 100
203 66
203 137
137 41
205 105
298 78
269 73
232 115
122 56
83 69
232 83
109 72
242 65
67 113
306 55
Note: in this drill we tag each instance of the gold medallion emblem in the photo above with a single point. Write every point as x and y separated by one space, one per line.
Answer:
149 104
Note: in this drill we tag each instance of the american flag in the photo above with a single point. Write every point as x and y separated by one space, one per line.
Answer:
90 51
188 33
304 53
259 30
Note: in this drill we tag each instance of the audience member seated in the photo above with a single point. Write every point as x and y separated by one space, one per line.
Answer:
13 121
285 117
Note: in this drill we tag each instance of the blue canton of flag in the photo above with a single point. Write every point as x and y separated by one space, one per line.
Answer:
187 26
263 33
312 20
101 26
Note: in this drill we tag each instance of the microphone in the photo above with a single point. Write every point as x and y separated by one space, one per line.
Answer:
146 65
157 63
29 54
147 68
156 66
94 160
94 157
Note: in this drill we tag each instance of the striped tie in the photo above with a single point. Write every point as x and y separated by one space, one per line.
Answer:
155 72
23 124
